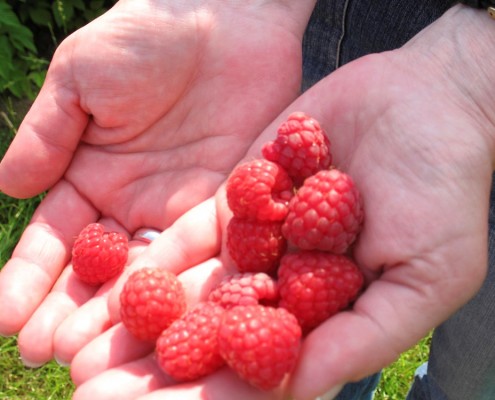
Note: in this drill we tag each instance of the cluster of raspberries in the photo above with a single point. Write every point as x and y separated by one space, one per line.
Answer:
294 220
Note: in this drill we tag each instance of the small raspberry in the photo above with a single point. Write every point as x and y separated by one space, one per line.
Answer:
259 189
150 301
245 289
315 285
98 256
325 214
188 348
261 344
255 246
301 147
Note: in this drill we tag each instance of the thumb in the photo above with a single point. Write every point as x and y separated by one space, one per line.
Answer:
392 315
47 138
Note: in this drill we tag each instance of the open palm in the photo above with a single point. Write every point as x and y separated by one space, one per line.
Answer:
422 156
143 113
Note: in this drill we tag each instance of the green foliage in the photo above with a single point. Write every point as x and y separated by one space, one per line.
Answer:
19 66
30 30
61 16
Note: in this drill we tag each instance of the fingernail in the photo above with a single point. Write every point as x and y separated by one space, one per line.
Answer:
61 363
331 394
31 364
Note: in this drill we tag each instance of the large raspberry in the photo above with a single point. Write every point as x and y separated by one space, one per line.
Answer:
150 301
245 289
301 147
259 190
188 348
314 285
255 246
98 256
261 344
325 214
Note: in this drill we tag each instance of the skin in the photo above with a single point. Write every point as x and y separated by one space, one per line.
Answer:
418 141
421 151
154 116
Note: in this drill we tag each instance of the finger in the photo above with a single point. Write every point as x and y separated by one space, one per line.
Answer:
36 344
124 383
80 327
41 254
35 339
199 281
222 385
84 323
47 138
116 346
193 238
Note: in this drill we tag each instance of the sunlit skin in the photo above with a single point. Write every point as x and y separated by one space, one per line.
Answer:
413 129
421 264
136 123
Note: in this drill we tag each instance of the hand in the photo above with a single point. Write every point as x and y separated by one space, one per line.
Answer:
418 141
126 367
143 113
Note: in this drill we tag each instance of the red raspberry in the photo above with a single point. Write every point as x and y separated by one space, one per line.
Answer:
325 214
150 301
188 349
255 246
259 189
98 256
301 147
245 289
315 285
261 344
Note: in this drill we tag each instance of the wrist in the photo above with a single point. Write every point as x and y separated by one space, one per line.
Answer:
290 15
460 51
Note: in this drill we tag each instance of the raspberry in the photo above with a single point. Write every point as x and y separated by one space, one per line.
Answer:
301 147
98 256
261 344
259 189
188 348
150 301
255 246
325 214
245 289
315 285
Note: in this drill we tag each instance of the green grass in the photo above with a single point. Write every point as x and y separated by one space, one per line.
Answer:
398 377
52 382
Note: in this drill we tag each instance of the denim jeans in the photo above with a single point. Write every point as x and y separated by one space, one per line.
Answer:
461 364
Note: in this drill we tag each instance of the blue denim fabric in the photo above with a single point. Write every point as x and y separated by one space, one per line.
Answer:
462 357
340 31
362 390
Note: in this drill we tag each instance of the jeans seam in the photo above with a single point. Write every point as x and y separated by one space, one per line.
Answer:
342 35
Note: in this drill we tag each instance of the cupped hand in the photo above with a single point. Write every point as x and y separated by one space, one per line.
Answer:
143 113
417 139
